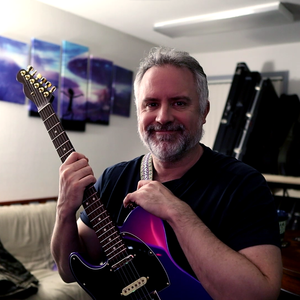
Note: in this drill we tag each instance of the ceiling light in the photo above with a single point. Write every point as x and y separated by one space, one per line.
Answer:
269 14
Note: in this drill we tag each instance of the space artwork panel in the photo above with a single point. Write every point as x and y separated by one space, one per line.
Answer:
99 95
13 57
45 58
73 91
122 90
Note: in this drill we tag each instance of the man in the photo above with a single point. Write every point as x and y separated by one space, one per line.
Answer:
220 217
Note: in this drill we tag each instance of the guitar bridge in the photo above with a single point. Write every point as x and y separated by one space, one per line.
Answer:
122 262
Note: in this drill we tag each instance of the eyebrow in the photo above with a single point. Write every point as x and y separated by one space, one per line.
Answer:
172 99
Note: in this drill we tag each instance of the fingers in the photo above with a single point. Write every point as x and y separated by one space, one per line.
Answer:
131 198
76 173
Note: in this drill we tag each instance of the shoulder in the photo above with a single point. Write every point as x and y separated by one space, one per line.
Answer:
222 165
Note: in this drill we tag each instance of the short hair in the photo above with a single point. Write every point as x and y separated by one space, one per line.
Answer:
160 56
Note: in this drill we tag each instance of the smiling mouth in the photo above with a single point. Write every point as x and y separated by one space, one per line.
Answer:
169 128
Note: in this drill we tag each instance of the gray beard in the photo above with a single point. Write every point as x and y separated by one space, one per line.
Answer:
168 148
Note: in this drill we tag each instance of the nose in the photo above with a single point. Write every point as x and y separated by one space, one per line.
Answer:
164 114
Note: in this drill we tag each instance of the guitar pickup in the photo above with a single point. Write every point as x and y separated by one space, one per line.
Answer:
122 262
134 286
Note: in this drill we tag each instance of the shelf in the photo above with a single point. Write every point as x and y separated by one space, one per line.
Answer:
280 181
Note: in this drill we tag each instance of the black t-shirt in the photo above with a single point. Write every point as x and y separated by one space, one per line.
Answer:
230 197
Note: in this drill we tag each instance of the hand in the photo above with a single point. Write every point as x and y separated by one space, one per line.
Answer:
75 175
155 198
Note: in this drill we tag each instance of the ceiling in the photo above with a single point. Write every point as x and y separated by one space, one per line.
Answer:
137 17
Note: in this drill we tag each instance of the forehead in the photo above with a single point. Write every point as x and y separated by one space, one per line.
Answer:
167 80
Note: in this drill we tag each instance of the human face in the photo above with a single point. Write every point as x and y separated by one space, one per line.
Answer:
169 119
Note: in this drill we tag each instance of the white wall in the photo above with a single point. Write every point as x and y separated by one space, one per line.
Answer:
265 59
28 161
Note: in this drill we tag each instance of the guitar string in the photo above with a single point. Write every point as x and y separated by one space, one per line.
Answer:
128 275
146 174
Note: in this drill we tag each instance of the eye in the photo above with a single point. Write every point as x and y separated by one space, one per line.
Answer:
151 104
179 103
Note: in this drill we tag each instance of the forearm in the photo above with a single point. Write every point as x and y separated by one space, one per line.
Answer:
65 240
223 272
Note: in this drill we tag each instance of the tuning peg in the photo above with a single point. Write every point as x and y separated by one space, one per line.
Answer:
38 76
41 89
29 68
36 85
27 77
48 84
32 81
53 89
34 72
46 94
43 79
23 72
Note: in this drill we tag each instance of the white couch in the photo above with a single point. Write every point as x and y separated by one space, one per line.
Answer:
25 232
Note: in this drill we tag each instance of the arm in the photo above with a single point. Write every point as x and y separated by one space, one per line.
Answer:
69 235
252 273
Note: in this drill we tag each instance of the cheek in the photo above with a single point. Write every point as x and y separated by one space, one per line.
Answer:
144 120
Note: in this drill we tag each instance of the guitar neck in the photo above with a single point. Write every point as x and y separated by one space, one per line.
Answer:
107 233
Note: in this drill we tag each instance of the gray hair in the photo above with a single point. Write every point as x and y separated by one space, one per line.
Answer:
160 56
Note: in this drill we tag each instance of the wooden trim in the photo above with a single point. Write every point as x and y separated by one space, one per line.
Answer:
28 201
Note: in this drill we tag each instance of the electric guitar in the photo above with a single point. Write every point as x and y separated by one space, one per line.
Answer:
138 263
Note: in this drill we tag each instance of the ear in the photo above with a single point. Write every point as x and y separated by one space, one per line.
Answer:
206 112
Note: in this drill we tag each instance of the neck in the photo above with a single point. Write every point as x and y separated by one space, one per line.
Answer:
167 171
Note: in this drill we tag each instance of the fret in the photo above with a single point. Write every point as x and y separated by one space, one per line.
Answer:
56 137
62 145
45 106
113 246
110 241
48 117
104 229
92 211
101 221
117 254
114 250
55 125
98 216
67 153
115 233
105 232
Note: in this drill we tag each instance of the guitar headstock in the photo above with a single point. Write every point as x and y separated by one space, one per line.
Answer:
36 87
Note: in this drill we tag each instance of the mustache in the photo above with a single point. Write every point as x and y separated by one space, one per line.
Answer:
166 127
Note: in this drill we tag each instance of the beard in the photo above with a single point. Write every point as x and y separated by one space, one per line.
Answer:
170 147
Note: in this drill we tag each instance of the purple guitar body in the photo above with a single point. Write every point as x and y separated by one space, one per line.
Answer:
138 263
144 233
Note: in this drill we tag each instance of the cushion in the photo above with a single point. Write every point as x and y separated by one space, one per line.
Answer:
53 288
25 231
